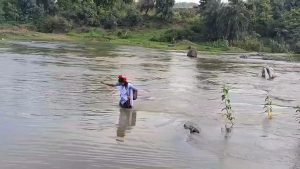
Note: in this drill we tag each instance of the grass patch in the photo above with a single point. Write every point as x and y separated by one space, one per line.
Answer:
137 37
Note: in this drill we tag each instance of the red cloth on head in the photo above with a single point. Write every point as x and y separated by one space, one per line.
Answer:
123 78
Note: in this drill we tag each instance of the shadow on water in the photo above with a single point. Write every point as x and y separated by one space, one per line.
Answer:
127 120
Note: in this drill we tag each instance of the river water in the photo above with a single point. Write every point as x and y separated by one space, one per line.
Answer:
55 113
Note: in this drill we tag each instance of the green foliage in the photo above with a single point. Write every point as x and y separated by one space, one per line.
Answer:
173 35
198 27
262 16
291 23
185 15
164 9
233 20
296 47
220 24
106 4
50 6
220 43
277 47
249 43
203 4
10 11
210 16
228 109
230 21
54 24
146 5
109 21
132 17
84 13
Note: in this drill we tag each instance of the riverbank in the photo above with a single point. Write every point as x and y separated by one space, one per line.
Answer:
142 38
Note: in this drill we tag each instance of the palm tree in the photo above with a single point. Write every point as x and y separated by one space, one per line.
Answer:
233 21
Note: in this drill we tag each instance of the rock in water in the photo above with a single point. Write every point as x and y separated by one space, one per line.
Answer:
192 52
268 73
244 57
191 127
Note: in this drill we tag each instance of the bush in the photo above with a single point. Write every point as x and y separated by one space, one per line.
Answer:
277 47
249 44
173 35
186 15
296 47
54 24
84 13
123 34
198 27
10 11
132 18
109 21
221 43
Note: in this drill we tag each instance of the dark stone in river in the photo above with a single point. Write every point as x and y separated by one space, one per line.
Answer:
191 127
192 53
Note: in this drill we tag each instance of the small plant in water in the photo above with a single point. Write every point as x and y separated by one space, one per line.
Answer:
228 109
268 107
298 111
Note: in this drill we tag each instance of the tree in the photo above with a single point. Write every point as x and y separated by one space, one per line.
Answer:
277 8
233 21
146 5
29 10
50 6
106 4
209 17
291 4
164 9
263 18
202 4
291 25
10 10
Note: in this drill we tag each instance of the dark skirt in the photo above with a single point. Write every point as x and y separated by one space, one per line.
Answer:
126 105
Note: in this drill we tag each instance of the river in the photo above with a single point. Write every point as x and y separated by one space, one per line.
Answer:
55 113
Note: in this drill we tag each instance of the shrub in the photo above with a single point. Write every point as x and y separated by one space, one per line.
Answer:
198 27
54 24
221 43
132 18
84 13
172 35
278 47
109 21
123 34
10 11
296 47
249 44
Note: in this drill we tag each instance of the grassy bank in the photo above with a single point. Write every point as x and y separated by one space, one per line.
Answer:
143 38
137 37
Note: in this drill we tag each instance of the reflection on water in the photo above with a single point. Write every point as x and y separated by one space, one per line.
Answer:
127 120
55 113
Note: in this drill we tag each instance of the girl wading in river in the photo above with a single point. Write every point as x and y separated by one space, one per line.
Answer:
128 92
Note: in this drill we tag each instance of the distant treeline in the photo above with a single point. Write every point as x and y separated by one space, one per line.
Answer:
272 25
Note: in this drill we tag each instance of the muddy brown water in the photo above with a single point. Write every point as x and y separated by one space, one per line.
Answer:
55 113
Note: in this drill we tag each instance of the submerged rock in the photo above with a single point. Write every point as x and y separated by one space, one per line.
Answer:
244 57
192 52
257 54
191 127
268 73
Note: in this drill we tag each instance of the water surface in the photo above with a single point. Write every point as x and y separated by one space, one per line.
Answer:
55 113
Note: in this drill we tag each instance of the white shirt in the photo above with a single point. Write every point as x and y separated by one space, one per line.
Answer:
125 94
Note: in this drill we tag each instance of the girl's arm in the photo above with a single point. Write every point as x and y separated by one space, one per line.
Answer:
111 85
